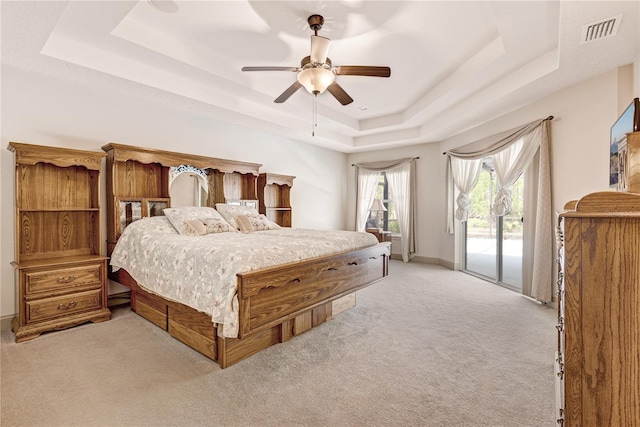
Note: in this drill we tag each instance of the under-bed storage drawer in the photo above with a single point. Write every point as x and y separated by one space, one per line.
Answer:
151 308
185 324
195 329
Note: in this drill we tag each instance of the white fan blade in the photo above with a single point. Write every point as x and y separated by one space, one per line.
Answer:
319 49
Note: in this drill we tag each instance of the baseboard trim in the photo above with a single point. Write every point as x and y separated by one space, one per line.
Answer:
448 264
5 323
428 260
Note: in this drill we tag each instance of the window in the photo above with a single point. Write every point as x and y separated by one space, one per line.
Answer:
389 221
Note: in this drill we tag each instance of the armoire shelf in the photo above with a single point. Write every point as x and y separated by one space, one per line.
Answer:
274 197
60 273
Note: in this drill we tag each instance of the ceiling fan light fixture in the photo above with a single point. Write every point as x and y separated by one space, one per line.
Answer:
316 80
316 72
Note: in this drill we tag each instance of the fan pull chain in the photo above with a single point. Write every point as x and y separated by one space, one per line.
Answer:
315 114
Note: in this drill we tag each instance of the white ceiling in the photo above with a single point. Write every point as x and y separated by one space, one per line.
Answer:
454 64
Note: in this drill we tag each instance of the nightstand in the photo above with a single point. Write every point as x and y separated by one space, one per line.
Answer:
382 236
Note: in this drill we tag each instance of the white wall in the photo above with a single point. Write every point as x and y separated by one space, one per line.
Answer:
41 110
636 78
583 115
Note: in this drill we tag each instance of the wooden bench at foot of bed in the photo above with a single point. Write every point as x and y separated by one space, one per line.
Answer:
275 303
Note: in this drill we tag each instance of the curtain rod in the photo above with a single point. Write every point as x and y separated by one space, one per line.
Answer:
415 158
548 118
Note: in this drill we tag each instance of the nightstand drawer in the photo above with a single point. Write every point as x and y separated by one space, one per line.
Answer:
88 276
49 308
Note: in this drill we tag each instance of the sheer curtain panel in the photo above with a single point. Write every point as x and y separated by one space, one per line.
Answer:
542 244
402 185
367 181
465 174
509 164
401 177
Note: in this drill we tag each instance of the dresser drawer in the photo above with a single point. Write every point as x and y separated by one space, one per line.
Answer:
49 308
87 276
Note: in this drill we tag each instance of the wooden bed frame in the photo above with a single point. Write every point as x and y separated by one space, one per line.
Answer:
275 303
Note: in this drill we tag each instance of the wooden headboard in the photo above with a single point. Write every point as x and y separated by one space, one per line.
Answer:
138 182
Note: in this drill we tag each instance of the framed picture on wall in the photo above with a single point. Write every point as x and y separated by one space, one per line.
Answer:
628 122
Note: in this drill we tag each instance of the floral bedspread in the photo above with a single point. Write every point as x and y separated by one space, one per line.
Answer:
200 271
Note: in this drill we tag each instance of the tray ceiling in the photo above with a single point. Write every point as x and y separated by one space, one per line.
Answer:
454 64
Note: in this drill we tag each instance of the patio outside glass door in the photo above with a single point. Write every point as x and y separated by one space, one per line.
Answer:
493 245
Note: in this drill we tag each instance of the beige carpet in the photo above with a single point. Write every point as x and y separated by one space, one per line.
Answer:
425 347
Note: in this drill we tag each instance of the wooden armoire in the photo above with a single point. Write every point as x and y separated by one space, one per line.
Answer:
61 277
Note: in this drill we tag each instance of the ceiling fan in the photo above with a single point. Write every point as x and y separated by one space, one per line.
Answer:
316 72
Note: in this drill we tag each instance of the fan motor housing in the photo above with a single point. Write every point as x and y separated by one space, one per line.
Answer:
307 60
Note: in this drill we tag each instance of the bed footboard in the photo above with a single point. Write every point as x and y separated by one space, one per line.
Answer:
270 296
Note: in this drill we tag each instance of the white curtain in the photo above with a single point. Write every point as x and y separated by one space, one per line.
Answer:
465 176
512 151
509 164
401 177
401 185
367 181
542 245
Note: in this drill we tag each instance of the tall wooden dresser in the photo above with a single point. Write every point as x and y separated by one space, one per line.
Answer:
60 275
598 359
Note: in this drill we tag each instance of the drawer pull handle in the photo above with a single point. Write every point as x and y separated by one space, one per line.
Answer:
67 307
560 362
67 279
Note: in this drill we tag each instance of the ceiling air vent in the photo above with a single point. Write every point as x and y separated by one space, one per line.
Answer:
601 29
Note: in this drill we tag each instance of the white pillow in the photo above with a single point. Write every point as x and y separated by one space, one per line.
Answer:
180 219
231 212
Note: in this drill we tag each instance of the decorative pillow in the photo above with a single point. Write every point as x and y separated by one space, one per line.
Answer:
217 225
230 212
253 222
195 227
179 218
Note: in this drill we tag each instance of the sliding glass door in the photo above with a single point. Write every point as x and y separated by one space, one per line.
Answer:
511 245
481 227
493 245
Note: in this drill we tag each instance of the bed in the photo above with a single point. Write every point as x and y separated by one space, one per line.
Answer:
306 279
